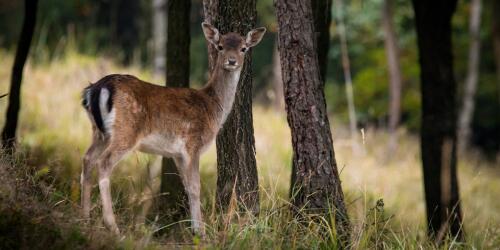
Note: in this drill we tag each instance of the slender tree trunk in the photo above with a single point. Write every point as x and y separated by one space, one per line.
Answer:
277 80
496 48
496 42
346 65
315 180
467 111
160 25
439 122
395 79
236 165
127 28
322 19
23 47
178 40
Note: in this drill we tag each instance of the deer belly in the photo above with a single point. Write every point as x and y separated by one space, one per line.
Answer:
162 145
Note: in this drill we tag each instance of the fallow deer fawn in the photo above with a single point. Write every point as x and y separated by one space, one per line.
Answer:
128 114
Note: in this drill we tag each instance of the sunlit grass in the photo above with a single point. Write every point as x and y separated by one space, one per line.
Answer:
54 132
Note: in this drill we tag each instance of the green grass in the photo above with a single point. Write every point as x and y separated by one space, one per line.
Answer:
54 132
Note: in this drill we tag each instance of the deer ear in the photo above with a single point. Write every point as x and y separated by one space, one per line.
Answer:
254 36
211 33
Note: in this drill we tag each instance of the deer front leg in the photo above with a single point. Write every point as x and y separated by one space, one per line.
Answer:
106 162
189 171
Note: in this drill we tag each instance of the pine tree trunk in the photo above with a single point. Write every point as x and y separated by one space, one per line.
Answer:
438 129
467 111
316 185
236 165
174 196
160 24
392 53
322 19
23 47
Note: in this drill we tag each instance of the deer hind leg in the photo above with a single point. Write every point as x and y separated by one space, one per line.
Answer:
89 161
189 171
108 159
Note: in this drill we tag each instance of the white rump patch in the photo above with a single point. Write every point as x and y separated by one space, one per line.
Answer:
108 116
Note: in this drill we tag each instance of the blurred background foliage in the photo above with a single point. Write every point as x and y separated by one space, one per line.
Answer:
113 29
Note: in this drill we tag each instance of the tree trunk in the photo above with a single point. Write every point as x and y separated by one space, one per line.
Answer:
127 29
322 19
467 111
236 165
315 180
496 42
277 80
439 122
160 25
346 65
174 195
178 40
23 47
392 53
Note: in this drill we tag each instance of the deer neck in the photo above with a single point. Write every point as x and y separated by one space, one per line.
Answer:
222 87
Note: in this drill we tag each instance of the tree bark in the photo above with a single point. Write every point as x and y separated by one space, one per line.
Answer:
395 79
160 25
174 195
236 164
322 19
23 47
316 185
127 28
496 42
438 129
467 111
277 80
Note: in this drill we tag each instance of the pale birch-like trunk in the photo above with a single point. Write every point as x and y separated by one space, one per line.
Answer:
159 36
347 75
277 80
471 82
395 78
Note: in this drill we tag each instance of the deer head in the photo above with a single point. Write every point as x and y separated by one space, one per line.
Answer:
232 47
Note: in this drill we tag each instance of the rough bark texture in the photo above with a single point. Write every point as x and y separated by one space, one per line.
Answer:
23 47
465 119
392 53
316 185
236 165
174 197
322 18
160 25
438 129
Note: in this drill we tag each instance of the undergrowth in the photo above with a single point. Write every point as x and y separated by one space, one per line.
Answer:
39 186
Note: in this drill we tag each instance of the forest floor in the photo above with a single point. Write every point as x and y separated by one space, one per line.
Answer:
39 188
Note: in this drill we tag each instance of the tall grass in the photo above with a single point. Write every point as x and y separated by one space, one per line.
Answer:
384 195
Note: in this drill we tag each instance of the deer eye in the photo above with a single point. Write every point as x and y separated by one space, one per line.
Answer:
243 50
220 48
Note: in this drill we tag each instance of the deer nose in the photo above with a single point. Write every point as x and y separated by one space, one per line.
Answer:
231 61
